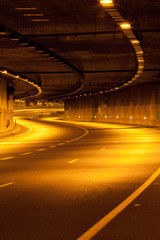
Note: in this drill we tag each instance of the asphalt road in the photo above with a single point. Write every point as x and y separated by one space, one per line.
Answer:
58 179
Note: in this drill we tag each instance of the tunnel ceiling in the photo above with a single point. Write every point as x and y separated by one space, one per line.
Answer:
82 33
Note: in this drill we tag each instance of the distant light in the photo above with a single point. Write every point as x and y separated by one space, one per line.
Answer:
105 116
95 116
125 26
33 14
145 118
17 76
21 9
67 116
117 116
4 71
116 87
140 60
101 92
40 20
131 117
79 116
85 94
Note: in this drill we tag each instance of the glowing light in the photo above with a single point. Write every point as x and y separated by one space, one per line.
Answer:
144 118
134 41
33 14
105 116
125 26
95 116
17 76
4 71
22 9
140 52
117 116
40 20
67 116
131 117
79 116
106 2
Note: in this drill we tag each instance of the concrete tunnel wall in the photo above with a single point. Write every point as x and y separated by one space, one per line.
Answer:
134 105
6 107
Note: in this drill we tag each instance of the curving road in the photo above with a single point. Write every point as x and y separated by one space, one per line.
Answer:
58 179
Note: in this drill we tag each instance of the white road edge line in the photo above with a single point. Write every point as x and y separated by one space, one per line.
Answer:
111 215
6 184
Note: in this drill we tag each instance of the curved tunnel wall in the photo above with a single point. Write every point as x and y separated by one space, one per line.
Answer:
6 107
136 105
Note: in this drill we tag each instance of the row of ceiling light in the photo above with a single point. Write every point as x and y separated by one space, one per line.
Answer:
11 74
110 8
31 44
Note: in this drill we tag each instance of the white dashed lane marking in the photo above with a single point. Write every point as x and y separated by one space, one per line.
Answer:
27 153
40 150
6 158
74 160
6 184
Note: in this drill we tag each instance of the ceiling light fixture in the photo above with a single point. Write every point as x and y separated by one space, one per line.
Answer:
33 14
40 20
104 2
22 9
125 26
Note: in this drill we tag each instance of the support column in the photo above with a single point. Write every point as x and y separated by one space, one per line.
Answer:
6 106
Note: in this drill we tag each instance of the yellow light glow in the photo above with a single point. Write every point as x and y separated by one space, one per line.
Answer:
135 41
117 116
33 14
131 117
17 76
104 2
125 26
40 20
145 118
22 9
4 71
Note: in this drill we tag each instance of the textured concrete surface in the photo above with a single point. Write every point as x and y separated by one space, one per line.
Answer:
136 105
6 107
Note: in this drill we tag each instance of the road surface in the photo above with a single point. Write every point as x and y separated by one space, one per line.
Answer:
66 181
